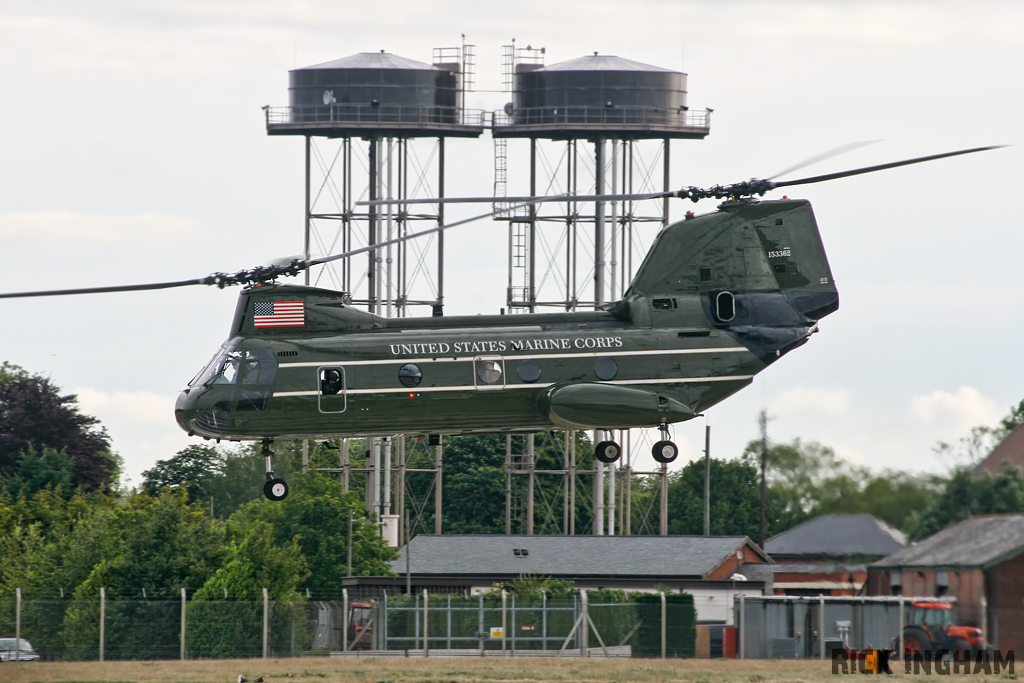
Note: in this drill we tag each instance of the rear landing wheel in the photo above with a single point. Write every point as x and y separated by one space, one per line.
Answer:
275 489
665 451
607 451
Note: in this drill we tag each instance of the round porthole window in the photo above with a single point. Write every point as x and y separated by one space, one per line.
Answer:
409 375
488 371
529 370
605 368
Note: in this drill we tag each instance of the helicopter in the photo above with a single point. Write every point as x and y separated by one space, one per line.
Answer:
718 298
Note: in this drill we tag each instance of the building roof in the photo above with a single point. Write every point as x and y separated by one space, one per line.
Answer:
371 60
1010 450
859 535
569 556
603 63
975 543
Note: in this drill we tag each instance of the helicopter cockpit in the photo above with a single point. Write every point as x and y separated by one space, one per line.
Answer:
231 365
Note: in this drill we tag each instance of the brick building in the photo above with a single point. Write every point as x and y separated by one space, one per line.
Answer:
979 561
829 555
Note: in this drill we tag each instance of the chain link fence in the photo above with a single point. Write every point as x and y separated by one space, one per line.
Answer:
585 625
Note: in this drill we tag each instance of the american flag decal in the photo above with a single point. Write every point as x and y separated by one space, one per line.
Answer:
278 314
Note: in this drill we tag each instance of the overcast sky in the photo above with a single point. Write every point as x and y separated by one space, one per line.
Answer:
133 149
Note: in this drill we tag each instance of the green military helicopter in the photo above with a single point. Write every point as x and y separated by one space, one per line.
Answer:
718 298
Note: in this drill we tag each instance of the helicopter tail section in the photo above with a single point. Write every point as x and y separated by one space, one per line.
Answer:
758 270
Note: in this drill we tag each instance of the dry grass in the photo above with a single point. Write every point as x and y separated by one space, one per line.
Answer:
444 670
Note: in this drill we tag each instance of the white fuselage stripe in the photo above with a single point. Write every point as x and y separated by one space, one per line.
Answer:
457 359
470 387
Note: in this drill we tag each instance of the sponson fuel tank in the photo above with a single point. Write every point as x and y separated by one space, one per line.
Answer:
607 406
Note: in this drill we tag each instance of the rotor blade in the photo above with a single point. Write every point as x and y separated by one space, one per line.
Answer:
825 155
421 233
104 290
525 200
880 167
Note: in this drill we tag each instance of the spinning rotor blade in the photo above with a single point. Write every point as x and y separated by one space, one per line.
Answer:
825 155
439 228
880 167
259 274
103 290
526 201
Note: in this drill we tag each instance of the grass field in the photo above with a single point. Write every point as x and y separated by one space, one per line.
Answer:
443 670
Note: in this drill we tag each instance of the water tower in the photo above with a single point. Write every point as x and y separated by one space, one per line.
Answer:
361 118
572 254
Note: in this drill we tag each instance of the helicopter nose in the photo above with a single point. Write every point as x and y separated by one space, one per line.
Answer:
185 409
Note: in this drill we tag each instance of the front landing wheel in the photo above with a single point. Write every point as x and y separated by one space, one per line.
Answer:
665 451
275 489
607 451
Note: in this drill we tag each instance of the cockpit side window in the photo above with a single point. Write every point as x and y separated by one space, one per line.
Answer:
259 367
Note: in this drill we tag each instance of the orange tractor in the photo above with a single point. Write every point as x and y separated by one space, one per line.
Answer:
931 627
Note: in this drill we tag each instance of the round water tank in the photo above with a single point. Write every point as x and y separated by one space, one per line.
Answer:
599 90
373 87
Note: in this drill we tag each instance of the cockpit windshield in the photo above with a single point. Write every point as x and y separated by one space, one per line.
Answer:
254 366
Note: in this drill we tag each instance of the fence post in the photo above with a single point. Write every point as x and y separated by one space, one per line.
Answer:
740 624
480 630
584 624
512 626
821 624
664 621
17 624
183 624
504 636
344 621
543 620
899 651
103 619
448 627
426 623
266 624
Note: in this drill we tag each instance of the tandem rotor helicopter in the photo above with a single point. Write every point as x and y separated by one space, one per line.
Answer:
718 298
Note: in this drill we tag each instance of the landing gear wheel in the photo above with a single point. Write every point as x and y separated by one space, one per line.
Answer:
665 451
607 451
275 489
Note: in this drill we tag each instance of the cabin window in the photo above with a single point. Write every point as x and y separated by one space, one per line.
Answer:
725 306
331 381
705 274
605 368
488 371
529 370
410 375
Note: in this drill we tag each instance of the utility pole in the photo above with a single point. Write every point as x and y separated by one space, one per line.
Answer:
763 421
707 480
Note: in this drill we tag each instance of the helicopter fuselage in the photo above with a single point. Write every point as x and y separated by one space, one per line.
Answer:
718 298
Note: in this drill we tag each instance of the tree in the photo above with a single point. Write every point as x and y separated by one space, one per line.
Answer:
315 515
735 499
967 494
37 471
193 468
806 480
158 546
35 416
